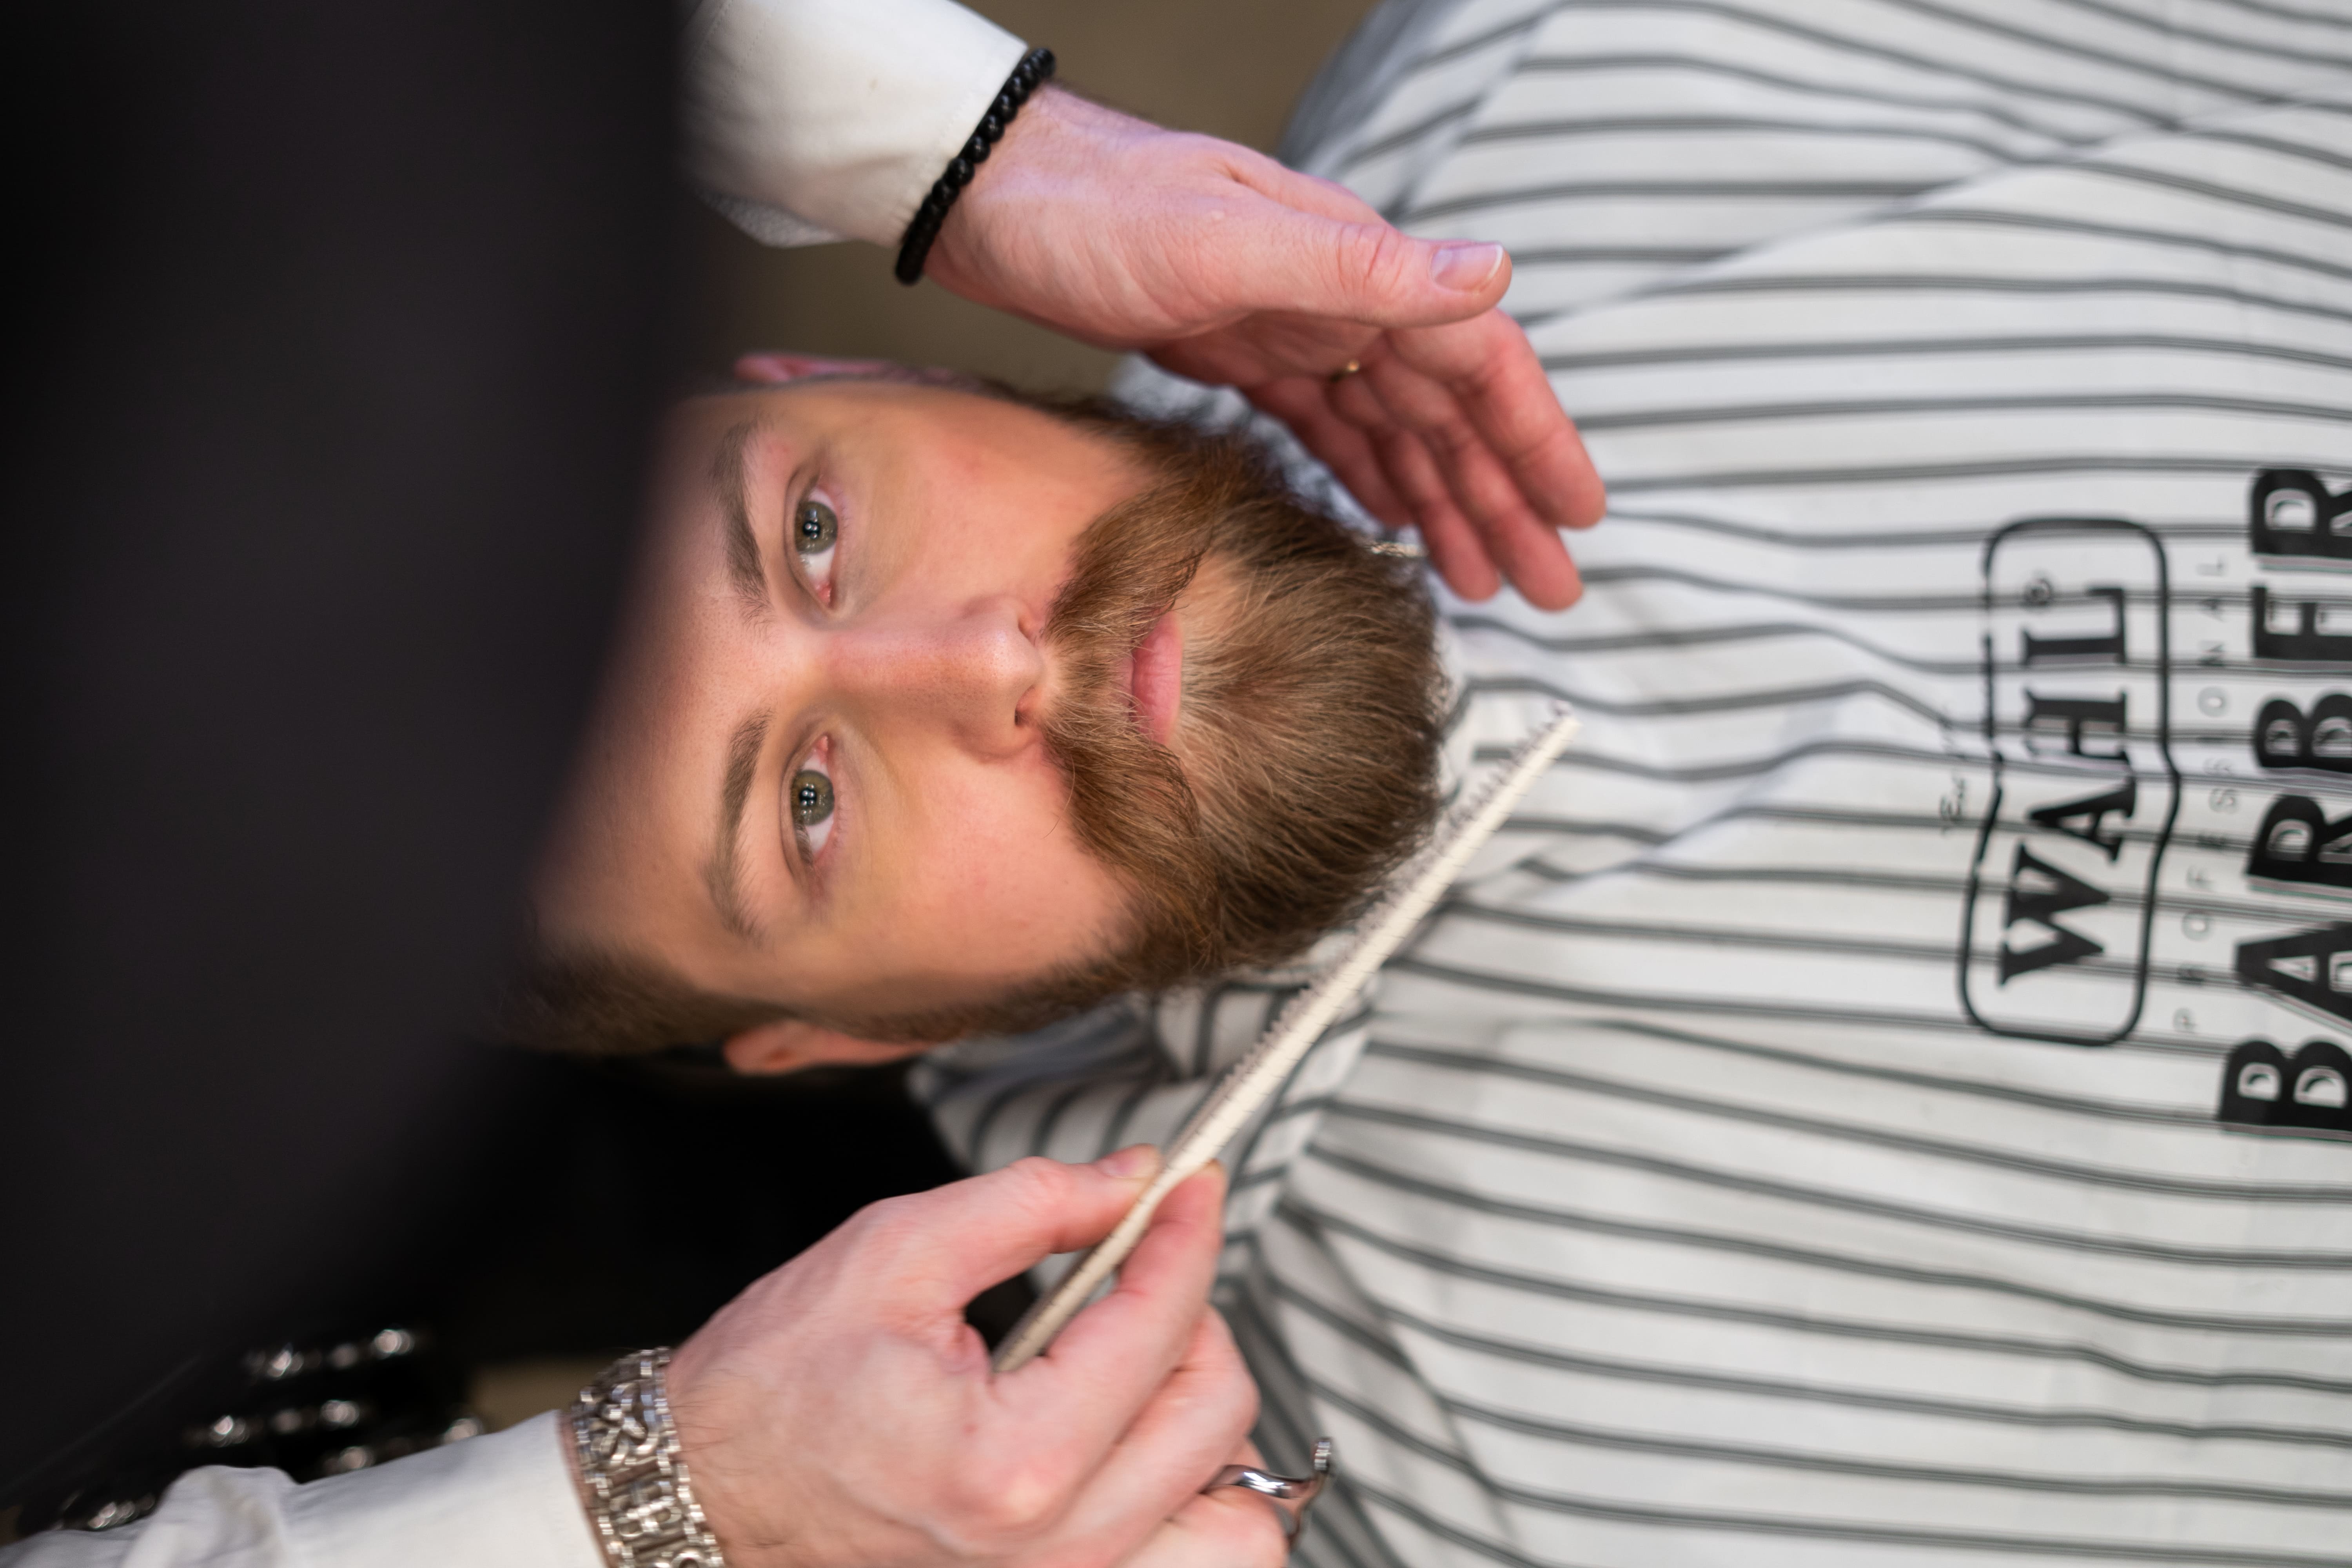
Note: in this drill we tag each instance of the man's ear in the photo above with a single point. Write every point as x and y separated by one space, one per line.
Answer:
789 1044
775 369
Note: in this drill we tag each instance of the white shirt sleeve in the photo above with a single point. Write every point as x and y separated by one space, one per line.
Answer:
813 120
501 1501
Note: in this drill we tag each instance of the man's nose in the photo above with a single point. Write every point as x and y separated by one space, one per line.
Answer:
978 671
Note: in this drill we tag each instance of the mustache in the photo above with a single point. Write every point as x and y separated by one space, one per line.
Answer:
1130 803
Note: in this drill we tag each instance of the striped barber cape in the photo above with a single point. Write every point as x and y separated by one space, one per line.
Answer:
1884 1098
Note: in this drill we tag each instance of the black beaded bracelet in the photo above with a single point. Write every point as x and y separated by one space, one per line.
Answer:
1035 66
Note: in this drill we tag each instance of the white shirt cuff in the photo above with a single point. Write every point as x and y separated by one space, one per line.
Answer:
502 1501
808 119
506 1501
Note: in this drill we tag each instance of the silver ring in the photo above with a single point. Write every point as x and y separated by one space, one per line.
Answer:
1291 1494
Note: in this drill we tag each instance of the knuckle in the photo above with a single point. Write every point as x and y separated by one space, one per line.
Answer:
1035 1183
1036 1169
1007 1501
880 1222
1373 262
890 1235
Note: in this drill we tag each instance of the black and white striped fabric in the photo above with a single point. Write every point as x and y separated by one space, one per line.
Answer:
1885 1097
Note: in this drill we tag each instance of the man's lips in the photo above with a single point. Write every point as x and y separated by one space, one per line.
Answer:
1155 679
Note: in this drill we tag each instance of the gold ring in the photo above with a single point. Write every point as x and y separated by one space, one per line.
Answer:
1344 372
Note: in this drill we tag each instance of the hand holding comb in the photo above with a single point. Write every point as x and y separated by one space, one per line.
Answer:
1256 1079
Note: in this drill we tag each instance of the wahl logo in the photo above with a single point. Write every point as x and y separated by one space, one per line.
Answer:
2310 1091
2077 670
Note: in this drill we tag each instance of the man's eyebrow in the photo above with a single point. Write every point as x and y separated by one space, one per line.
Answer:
727 483
723 873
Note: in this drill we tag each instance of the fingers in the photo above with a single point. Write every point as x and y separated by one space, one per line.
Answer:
1105 1366
1389 471
1466 434
942 1247
1303 403
1457 548
943 1461
1228 1527
1195 1423
1458 481
1489 366
1231 1524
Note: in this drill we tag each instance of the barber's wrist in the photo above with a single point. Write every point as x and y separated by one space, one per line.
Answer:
1049 158
1054 114
1034 70
629 1465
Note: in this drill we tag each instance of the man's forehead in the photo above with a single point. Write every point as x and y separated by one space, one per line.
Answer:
901 386
904 384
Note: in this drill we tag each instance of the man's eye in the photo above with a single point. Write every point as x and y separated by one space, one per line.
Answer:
812 798
812 803
814 527
815 531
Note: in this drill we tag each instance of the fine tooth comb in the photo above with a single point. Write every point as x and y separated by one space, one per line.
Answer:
1256 1079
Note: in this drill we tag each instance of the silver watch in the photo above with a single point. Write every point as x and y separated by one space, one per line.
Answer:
638 1496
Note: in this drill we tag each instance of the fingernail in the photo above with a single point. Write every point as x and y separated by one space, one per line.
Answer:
1465 267
1135 1160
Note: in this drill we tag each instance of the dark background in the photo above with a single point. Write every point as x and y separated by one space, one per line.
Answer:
333 335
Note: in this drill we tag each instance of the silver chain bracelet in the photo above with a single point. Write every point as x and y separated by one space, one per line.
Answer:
638 1496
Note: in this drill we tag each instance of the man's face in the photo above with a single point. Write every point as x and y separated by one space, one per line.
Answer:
816 776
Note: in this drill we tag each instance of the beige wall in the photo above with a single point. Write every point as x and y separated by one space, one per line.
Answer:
1230 67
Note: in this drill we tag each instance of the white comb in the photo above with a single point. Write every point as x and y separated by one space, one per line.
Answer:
1254 1079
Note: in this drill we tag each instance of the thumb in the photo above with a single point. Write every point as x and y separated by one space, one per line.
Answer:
1364 271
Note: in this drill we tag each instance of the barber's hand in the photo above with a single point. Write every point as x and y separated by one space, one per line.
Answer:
1228 268
842 1413
1227 1526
